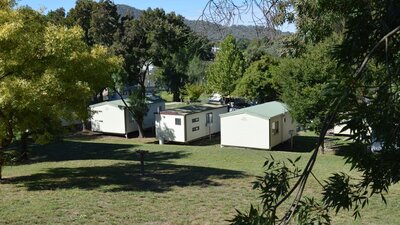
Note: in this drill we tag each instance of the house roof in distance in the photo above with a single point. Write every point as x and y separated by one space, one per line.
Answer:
119 103
191 109
265 110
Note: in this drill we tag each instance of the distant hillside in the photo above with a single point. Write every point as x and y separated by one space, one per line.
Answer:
213 31
126 9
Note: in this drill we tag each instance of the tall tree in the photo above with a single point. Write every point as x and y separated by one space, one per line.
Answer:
257 83
173 71
365 92
104 23
304 80
46 73
156 38
196 70
57 16
81 15
227 68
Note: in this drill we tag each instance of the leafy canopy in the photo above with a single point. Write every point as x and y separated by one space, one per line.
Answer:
47 73
227 68
257 83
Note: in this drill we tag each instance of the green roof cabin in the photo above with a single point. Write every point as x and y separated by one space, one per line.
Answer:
261 126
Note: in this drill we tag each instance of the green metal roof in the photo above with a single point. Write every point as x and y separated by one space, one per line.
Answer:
266 110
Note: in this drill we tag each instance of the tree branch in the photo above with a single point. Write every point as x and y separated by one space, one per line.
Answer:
327 122
6 75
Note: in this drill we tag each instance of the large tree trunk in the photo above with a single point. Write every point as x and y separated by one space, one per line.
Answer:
323 147
176 96
140 128
1 162
142 80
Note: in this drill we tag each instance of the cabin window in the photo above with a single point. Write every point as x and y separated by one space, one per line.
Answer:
209 118
177 121
284 119
275 127
195 128
195 120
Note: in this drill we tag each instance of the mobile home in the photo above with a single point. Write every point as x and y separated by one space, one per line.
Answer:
113 116
189 123
262 126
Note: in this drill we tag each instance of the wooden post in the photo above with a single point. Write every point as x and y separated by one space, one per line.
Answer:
1 164
141 154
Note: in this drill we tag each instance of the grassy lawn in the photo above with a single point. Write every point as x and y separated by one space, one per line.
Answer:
97 180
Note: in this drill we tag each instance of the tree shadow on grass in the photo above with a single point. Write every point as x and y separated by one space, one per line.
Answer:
75 150
204 141
308 143
300 144
344 149
159 177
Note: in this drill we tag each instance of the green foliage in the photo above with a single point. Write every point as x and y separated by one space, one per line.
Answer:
311 212
104 23
196 70
193 92
7 4
256 49
303 82
314 30
214 31
227 68
360 80
340 194
154 38
47 73
81 15
273 185
257 83
57 16
162 40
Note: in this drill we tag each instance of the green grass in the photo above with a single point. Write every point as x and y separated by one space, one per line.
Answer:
165 95
97 181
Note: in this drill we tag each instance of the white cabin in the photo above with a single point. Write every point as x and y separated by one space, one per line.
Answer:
189 123
262 126
113 117
338 130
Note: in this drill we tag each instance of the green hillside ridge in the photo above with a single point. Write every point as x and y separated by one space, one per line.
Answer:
215 32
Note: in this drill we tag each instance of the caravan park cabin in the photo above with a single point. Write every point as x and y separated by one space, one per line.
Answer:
189 123
261 126
113 116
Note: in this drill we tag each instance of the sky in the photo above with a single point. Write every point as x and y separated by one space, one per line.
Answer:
190 9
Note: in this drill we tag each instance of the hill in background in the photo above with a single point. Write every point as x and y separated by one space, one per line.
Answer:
214 32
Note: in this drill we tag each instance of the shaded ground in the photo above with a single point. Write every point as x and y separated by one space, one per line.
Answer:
159 177
307 143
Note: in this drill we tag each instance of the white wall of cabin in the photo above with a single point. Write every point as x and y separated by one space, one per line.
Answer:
204 130
244 130
167 130
108 119
151 116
